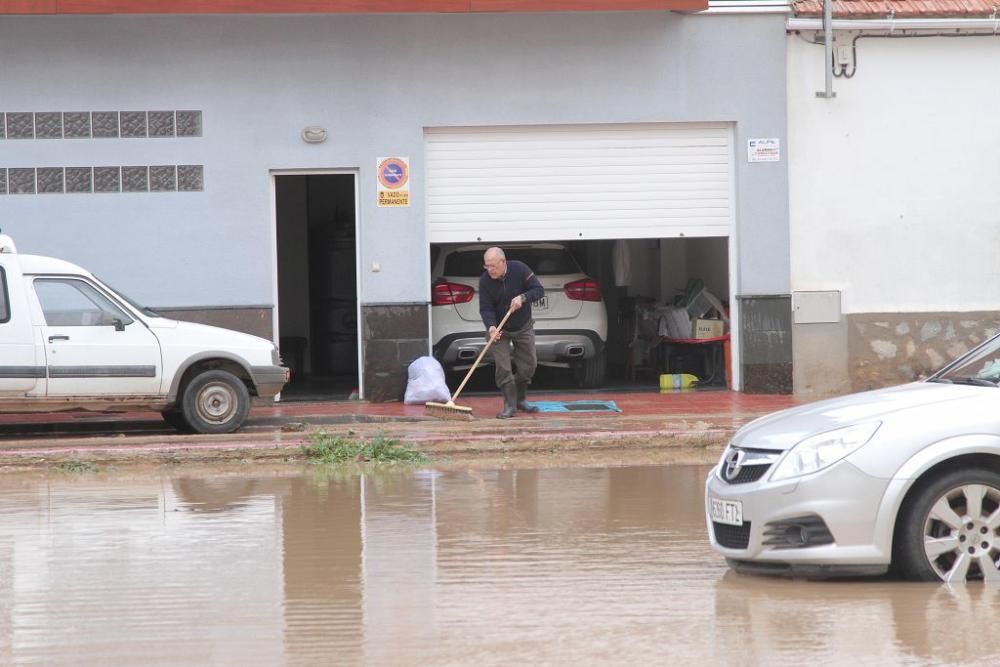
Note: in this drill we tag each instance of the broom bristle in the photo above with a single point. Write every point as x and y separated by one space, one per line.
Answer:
449 411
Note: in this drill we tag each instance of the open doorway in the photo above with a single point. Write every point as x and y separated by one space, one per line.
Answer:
315 216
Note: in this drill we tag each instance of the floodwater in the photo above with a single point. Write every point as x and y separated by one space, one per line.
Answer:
289 565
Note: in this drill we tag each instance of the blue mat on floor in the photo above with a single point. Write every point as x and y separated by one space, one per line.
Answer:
575 406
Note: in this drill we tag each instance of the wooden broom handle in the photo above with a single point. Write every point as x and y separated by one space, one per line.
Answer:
481 355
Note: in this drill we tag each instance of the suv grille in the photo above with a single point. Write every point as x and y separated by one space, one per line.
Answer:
732 537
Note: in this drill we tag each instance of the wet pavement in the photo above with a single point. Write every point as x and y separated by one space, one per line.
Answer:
291 564
648 420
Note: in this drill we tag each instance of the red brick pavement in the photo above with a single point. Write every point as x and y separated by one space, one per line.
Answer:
693 403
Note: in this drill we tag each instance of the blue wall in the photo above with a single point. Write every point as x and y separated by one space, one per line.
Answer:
374 82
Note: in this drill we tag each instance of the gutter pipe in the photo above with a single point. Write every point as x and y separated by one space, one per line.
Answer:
892 25
828 49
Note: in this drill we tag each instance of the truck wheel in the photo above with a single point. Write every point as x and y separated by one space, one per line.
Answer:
215 402
590 373
949 532
175 419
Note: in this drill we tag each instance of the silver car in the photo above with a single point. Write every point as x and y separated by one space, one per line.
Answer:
906 478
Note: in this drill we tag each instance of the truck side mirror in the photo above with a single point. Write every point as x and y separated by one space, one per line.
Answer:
119 324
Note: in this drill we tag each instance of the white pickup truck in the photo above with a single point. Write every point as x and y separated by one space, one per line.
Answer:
68 341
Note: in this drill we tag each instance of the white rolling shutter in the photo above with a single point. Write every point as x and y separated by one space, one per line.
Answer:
531 183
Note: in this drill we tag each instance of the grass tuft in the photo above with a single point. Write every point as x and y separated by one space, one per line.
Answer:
326 448
77 467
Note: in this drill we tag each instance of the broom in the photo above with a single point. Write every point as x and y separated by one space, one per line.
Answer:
460 412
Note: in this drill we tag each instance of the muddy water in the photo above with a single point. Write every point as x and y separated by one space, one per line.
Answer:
273 566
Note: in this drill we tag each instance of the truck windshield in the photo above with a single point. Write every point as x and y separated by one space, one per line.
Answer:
148 312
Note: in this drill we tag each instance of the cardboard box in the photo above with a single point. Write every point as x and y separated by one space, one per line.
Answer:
701 329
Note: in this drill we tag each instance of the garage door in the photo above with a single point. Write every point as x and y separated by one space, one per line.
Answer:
528 183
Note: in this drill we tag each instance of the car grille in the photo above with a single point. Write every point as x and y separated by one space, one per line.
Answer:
749 474
732 537
742 465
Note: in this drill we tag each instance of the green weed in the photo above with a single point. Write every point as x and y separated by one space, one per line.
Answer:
77 467
325 448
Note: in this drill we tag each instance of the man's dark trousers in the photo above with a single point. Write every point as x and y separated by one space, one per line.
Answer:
523 356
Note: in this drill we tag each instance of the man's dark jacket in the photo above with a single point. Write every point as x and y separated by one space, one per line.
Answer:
495 295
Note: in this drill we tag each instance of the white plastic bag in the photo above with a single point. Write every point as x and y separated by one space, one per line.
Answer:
425 382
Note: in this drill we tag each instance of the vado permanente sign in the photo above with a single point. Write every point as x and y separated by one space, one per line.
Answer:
393 181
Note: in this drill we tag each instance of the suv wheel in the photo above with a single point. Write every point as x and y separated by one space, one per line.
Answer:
590 373
215 402
949 531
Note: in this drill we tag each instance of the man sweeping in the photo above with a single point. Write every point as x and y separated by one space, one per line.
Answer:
510 285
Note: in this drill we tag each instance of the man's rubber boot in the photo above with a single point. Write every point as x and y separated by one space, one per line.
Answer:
522 398
509 401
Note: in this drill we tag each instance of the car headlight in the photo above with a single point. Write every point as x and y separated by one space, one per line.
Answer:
823 450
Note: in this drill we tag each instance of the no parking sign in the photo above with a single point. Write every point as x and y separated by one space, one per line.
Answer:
393 181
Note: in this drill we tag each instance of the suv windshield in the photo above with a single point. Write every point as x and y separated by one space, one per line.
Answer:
981 366
543 261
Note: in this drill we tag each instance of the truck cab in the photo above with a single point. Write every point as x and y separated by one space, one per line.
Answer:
68 341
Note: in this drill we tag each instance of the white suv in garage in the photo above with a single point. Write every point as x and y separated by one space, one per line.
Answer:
571 321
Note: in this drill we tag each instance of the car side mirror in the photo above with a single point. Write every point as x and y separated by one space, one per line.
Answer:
119 324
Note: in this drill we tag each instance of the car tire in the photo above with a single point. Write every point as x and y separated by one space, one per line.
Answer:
590 373
944 532
215 402
175 419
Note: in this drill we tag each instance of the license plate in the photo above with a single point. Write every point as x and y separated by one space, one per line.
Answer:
541 304
729 512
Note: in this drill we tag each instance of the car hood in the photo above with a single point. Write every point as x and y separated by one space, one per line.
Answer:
783 429
175 332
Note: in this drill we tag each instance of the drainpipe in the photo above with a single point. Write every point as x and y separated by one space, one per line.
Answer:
828 49
982 25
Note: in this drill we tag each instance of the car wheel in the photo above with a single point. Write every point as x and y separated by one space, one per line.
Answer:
949 532
175 419
590 373
215 402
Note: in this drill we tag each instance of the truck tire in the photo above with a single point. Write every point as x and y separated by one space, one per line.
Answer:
215 402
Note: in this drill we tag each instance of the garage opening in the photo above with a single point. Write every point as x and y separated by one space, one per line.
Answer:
658 193
317 284
652 306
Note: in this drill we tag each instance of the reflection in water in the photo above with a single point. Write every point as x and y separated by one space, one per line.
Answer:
334 566
859 622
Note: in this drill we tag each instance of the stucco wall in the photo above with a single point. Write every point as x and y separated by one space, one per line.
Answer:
374 83
894 196
894 202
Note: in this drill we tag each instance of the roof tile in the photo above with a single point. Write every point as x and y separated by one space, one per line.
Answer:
901 9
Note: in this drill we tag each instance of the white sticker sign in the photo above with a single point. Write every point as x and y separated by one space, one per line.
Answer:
763 150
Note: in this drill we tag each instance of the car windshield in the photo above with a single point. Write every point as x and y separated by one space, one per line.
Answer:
543 261
981 366
148 312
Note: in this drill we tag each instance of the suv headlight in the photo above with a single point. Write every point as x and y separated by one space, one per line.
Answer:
823 450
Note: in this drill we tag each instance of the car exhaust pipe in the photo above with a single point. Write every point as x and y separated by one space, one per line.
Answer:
465 355
574 351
